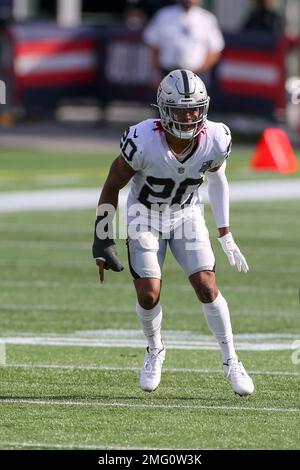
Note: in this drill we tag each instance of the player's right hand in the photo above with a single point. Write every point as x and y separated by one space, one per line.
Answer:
108 260
104 247
100 263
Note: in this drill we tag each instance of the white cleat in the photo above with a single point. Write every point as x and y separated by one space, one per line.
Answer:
239 379
151 370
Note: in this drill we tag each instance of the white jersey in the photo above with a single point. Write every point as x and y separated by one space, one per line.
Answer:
161 180
183 38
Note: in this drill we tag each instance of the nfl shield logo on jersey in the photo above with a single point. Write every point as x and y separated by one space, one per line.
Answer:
181 170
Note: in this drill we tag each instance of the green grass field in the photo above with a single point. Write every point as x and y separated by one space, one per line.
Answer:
67 385
33 169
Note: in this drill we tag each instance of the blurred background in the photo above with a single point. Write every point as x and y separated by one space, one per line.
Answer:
78 60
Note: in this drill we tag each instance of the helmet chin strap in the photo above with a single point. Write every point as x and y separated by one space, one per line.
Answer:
184 134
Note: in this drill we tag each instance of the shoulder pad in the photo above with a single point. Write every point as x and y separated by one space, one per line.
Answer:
222 140
131 146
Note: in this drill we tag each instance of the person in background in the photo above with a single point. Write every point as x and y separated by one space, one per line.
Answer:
183 36
264 17
134 16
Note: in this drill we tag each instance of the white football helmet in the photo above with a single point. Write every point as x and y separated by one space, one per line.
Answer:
183 103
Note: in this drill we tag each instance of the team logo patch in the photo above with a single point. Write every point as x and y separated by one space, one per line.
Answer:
206 166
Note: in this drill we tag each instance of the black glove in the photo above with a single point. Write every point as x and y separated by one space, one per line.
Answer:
105 246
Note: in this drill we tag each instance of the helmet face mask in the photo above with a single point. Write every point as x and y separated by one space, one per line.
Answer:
183 103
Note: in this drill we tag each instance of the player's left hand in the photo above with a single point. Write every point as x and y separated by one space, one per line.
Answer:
233 253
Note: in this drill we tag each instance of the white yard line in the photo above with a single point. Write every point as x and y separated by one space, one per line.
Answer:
72 446
105 309
118 333
46 244
174 340
86 198
98 404
46 228
140 344
136 369
61 308
86 246
85 264
17 283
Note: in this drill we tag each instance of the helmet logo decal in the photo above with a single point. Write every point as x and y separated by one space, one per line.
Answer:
185 83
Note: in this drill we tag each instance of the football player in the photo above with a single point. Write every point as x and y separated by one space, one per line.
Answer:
167 159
